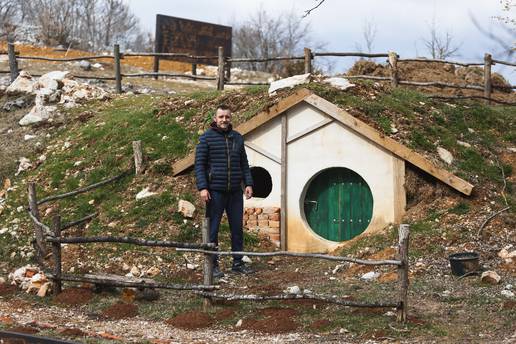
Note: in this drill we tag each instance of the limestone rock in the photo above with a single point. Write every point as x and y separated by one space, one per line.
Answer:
445 155
293 290
39 113
84 64
490 277
289 82
24 165
463 144
24 83
144 193
370 276
186 208
153 271
340 83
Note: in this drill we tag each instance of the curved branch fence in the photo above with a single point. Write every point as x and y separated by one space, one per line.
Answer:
224 66
53 235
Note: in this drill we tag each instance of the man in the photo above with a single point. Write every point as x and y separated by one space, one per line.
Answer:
221 167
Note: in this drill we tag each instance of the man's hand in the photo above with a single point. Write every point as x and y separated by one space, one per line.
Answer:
205 195
248 192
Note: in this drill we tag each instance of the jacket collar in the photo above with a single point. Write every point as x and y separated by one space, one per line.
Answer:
214 127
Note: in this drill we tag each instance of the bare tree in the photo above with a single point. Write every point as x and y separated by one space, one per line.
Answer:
8 12
440 45
369 31
264 36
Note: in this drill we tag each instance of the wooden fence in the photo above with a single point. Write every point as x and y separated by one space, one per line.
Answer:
308 57
53 234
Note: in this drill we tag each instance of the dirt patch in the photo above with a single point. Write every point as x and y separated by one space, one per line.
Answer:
319 324
74 296
191 320
6 289
120 311
270 325
224 314
509 305
72 332
23 329
278 312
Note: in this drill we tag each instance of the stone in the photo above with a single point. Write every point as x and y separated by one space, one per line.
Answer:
135 271
43 290
507 293
340 83
445 155
274 217
293 290
258 211
37 114
271 210
506 255
56 75
289 82
186 208
247 260
490 277
463 144
153 271
24 165
253 217
252 223
24 83
274 224
263 223
394 130
263 217
144 194
239 323
97 66
370 276
84 65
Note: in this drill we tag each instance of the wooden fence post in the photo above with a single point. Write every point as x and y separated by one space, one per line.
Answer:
208 260
138 157
393 64
41 250
220 75
56 253
308 60
403 271
13 63
488 86
155 67
194 68
118 75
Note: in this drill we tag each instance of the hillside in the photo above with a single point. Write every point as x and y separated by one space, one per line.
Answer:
93 142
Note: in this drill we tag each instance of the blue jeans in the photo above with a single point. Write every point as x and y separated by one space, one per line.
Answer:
233 203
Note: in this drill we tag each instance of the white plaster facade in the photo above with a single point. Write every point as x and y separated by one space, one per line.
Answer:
330 145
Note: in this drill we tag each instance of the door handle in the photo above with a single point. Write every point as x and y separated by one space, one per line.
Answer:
314 202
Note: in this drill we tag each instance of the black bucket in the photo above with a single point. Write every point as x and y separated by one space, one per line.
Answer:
464 262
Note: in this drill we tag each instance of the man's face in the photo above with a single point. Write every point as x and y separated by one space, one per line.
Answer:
223 118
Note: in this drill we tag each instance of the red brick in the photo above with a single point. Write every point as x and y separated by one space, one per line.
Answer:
271 210
258 211
246 217
252 223
252 217
274 224
274 217
263 223
274 237
249 211
263 217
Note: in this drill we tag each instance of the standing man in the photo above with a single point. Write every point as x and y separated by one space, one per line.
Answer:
221 168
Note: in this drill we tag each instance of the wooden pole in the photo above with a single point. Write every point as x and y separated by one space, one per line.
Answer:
283 200
403 271
208 260
228 71
308 60
138 157
56 253
118 75
38 231
393 64
155 67
13 63
220 75
488 86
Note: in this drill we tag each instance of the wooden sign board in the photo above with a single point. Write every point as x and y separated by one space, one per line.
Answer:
179 35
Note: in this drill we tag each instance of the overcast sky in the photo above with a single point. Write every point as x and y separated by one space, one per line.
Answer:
401 24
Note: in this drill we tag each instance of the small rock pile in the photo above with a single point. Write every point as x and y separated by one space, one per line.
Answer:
31 279
57 87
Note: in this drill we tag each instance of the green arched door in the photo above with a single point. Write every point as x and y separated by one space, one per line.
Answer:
338 204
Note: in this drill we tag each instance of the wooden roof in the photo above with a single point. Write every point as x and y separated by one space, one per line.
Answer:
351 122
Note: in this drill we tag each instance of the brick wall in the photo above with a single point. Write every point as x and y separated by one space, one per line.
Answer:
264 221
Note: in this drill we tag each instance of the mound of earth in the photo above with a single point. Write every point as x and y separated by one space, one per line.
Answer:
120 311
74 296
276 320
191 320
6 289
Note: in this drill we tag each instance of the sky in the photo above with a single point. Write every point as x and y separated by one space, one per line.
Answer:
401 25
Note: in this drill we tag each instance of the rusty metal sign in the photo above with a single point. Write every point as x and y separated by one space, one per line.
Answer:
179 35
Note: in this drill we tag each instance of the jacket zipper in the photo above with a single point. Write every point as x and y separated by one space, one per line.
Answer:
229 164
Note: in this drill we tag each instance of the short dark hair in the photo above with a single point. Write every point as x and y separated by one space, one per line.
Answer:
224 107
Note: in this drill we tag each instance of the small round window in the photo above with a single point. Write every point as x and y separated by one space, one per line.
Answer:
262 182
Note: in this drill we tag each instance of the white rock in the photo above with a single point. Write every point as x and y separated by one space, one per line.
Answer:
239 323
186 208
370 276
293 290
97 65
247 260
340 83
37 114
84 64
445 155
126 267
153 271
289 82
56 75
135 271
191 266
144 193
23 166
512 149
463 144
507 293
189 101
24 83
471 131
394 130
506 255
28 137
490 277
42 158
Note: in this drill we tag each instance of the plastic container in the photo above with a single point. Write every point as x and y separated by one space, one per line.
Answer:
464 262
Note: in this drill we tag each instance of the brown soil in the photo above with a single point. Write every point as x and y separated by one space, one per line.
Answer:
278 312
275 324
191 320
319 324
6 289
120 311
224 314
72 332
74 296
23 329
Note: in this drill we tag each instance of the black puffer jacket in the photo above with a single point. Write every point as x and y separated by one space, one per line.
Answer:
220 161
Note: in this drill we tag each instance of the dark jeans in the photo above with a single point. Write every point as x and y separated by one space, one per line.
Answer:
233 204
